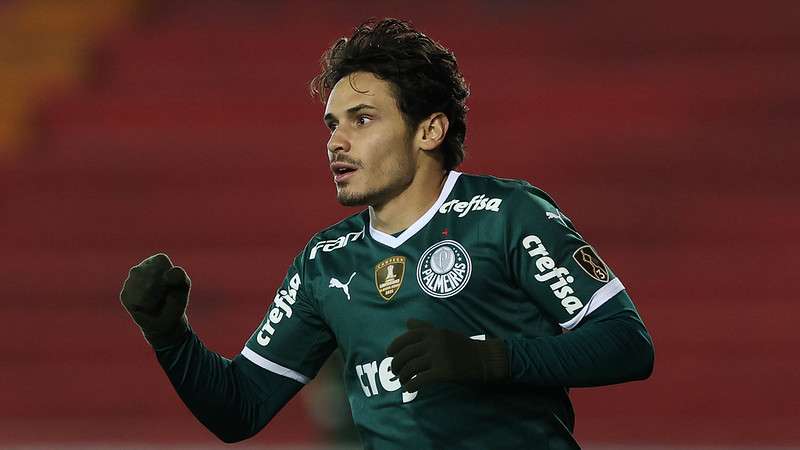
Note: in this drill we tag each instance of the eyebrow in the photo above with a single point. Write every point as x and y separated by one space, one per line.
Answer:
350 112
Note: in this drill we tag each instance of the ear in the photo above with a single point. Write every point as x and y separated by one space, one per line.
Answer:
431 131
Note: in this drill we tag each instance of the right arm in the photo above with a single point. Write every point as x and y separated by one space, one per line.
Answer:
236 398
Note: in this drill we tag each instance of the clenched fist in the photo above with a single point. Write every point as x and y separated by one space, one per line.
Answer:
156 294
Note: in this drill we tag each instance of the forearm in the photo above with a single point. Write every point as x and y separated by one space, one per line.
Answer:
603 351
219 392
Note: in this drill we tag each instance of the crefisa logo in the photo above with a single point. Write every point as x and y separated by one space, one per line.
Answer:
444 269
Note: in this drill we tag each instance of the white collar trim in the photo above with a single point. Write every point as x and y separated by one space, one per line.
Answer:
394 242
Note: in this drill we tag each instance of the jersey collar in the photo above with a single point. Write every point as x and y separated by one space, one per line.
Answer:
394 242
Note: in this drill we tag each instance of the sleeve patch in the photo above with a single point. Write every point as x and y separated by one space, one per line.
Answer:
588 260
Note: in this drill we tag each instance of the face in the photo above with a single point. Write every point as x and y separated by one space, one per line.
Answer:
370 148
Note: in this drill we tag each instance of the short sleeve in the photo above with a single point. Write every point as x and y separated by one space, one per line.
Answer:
553 264
292 339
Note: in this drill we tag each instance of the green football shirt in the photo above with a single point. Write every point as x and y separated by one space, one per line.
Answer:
491 258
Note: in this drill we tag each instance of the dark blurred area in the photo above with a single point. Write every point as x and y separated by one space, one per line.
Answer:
667 131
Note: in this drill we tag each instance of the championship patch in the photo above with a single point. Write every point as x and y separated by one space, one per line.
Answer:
389 276
588 260
444 269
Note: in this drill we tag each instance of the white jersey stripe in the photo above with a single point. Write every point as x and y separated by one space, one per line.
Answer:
260 361
600 296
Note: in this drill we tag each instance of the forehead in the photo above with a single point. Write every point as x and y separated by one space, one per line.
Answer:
357 88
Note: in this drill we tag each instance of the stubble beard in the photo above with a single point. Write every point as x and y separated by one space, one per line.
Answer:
399 179
348 198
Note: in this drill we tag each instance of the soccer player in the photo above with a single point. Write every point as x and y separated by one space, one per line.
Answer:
449 296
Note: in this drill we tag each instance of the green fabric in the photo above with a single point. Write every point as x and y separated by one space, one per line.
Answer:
493 259
233 399
613 346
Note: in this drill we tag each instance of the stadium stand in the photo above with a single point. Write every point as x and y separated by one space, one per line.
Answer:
44 49
666 130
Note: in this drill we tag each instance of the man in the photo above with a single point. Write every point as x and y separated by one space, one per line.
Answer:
448 296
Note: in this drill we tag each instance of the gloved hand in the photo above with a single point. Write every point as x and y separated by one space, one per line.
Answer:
156 294
425 354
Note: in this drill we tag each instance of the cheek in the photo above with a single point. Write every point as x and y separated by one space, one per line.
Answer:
395 158
385 152
376 149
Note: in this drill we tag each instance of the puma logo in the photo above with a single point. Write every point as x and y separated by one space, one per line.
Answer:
343 286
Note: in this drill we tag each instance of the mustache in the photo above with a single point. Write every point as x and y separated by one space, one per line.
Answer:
346 160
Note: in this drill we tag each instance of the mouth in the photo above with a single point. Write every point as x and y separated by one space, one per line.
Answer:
342 171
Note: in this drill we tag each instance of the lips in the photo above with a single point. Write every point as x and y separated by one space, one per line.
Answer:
341 177
342 171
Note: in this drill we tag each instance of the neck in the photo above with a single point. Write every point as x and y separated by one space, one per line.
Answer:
404 209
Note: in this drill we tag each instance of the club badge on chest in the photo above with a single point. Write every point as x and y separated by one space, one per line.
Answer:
444 269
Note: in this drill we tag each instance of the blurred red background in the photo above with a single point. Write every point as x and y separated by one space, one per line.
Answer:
666 130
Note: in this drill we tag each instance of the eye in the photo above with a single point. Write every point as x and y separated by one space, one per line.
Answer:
363 119
332 126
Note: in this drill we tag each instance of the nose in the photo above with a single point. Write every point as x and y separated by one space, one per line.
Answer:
338 142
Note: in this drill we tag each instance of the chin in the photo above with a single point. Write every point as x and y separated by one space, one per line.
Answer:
347 201
347 198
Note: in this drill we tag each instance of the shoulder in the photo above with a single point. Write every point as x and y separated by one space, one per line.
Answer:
512 193
336 236
351 223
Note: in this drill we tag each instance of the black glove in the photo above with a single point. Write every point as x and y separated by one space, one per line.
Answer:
431 355
155 295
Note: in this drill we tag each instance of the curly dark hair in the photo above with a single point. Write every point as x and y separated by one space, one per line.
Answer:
423 74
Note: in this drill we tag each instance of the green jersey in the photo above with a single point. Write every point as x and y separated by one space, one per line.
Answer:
491 258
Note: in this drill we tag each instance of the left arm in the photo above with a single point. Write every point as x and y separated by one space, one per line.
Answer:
612 346
607 342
